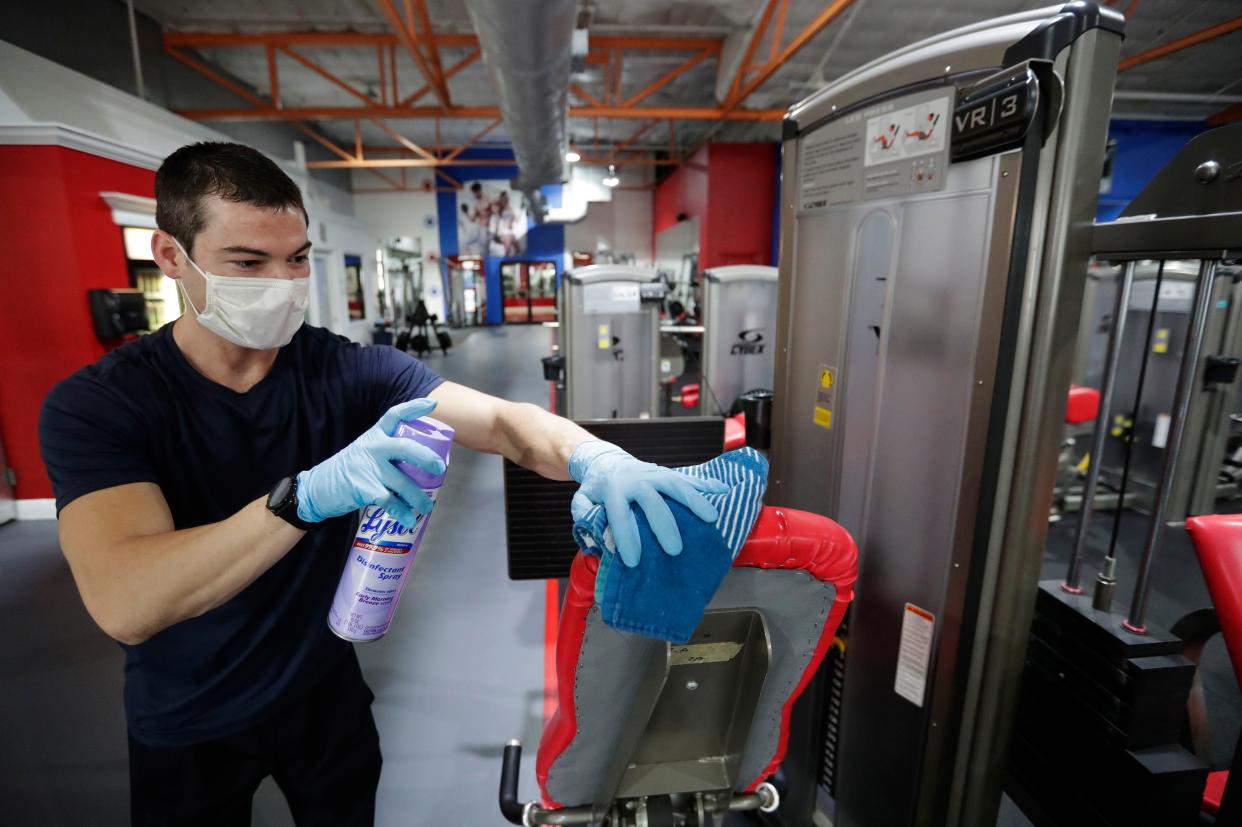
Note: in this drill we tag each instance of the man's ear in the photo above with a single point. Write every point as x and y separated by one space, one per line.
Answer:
167 255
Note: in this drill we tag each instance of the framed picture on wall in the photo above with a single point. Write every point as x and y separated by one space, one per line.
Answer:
353 288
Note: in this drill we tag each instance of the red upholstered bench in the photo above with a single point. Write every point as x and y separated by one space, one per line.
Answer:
643 728
1218 542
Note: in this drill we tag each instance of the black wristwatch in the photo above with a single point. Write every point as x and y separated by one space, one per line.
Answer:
283 502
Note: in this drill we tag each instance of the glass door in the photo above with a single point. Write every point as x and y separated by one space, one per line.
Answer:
529 289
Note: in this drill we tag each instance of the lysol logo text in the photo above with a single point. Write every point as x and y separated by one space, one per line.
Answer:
376 524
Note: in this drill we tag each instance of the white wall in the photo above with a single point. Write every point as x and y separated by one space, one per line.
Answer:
389 215
622 225
392 214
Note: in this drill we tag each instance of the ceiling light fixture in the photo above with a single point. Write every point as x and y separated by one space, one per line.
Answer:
611 180
572 157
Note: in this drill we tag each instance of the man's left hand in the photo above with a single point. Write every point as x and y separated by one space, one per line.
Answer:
613 478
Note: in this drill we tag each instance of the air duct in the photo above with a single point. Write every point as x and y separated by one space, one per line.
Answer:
527 45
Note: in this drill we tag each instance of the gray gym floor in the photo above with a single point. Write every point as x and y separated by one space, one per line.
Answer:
460 673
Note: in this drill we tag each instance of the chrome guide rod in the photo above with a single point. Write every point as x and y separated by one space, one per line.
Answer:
1116 335
1177 430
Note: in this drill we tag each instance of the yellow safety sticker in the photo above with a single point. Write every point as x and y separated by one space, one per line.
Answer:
826 378
823 417
605 337
1161 344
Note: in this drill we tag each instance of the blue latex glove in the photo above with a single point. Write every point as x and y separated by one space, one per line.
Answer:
612 478
362 473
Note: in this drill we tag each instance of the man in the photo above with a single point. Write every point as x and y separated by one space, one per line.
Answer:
206 479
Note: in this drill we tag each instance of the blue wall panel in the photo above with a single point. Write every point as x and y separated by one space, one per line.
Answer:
546 241
1143 148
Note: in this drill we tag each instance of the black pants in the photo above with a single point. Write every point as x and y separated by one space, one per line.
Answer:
322 750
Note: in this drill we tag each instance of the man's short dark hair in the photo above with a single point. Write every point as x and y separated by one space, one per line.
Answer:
476 187
232 171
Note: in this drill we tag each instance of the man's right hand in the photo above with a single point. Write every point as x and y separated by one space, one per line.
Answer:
363 473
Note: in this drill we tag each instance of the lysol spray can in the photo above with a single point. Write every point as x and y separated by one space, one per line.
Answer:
383 548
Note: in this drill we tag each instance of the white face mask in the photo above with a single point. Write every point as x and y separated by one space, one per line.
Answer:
253 312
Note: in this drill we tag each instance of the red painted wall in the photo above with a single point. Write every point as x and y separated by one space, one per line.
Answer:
730 188
741 192
59 240
685 191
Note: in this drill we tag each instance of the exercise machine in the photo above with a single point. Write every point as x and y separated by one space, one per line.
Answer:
935 229
609 338
739 331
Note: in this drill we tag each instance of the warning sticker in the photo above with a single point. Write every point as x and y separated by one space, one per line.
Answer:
604 334
914 654
823 417
827 377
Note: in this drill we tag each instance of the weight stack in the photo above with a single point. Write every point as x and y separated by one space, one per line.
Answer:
1097 737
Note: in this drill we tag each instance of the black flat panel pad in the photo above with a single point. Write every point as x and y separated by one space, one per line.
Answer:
537 521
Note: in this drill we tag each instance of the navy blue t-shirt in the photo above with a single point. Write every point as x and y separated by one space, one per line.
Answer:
143 414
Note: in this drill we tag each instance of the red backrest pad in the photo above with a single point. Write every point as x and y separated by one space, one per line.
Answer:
782 538
1218 542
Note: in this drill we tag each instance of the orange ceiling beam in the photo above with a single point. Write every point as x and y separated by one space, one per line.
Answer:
410 40
668 78
831 12
474 139
1194 39
1228 115
757 35
328 76
263 111
448 73
583 95
208 40
401 139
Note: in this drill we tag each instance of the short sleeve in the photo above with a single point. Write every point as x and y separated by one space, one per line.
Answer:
394 377
90 440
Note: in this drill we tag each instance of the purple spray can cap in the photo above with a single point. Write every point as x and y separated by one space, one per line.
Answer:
435 435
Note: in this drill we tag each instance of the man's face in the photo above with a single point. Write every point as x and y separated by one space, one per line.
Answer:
238 240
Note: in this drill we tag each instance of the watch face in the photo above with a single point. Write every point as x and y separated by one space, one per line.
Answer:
280 493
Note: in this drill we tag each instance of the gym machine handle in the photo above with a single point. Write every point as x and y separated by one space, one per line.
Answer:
510 766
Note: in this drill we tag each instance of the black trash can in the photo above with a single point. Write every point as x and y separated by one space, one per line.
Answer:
553 367
757 405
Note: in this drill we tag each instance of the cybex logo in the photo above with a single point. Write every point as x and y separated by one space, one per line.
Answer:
751 343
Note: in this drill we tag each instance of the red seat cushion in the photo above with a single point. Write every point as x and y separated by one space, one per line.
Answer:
1218 542
782 539
1083 405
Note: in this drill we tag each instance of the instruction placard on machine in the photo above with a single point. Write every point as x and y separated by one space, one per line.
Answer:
611 297
914 654
893 148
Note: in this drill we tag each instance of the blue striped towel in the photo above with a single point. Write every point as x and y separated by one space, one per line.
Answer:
664 597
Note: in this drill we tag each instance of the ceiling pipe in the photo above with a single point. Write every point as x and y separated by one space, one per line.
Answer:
527 45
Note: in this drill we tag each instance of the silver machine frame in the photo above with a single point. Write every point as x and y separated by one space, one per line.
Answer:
926 333
610 385
739 337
